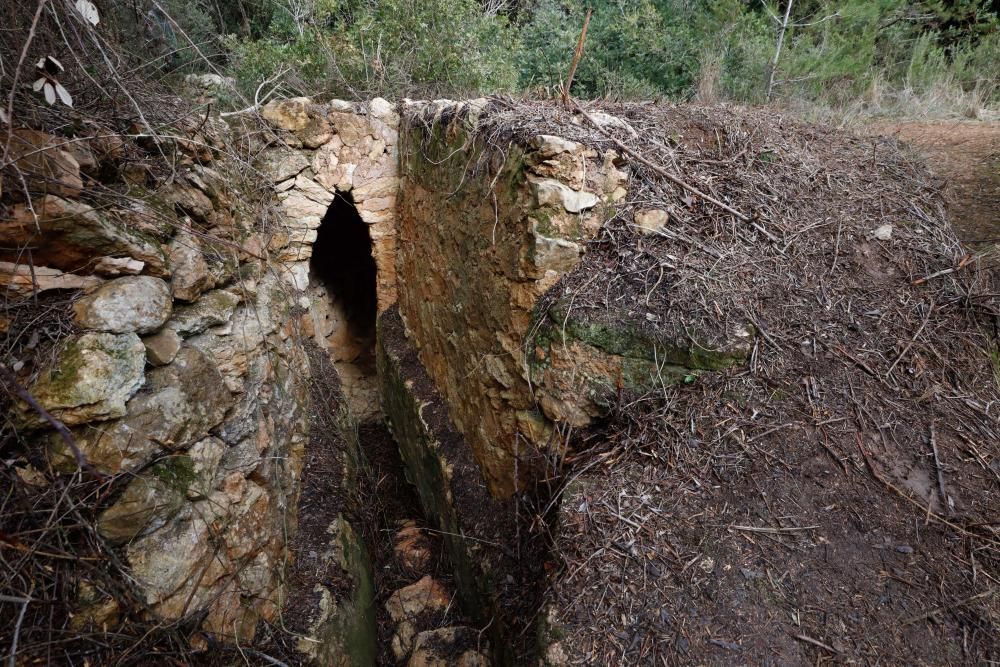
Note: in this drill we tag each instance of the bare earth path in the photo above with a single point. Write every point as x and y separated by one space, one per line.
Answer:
966 155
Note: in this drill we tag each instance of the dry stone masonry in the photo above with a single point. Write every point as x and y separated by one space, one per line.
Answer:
188 369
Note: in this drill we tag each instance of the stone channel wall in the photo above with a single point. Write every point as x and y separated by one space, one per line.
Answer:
483 232
182 375
187 369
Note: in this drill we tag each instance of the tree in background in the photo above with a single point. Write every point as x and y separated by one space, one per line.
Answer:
892 56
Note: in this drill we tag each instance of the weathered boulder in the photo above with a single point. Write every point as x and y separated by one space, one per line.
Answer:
93 376
136 303
422 602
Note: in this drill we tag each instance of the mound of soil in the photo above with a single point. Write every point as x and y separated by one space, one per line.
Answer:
836 497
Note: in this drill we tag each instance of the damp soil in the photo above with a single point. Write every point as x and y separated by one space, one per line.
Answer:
388 503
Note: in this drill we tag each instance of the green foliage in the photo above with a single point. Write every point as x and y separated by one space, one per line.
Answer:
835 51
389 47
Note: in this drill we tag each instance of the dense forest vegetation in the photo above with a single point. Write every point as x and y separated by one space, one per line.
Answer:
885 55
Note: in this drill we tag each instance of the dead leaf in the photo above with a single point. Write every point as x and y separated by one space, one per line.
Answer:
88 11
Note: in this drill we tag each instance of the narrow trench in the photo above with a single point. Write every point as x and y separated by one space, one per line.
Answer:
344 307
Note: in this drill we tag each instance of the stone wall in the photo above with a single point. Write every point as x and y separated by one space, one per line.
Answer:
181 376
484 231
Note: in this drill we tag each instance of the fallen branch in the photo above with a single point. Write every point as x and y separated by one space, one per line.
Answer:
938 610
961 265
577 54
10 380
937 467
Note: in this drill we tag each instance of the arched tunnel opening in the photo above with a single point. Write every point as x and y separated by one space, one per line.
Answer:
344 301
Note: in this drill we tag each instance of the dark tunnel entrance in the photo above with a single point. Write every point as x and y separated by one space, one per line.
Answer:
344 302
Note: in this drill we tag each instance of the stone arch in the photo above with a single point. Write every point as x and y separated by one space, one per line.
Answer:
343 300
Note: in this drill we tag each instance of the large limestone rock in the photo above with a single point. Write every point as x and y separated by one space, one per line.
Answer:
68 235
448 647
409 607
180 403
137 303
92 378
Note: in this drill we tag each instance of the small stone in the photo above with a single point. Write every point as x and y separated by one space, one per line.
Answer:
135 303
413 548
162 347
651 221
118 266
904 549
883 232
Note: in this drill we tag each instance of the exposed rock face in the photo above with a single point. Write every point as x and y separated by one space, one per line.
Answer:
69 234
140 304
20 280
